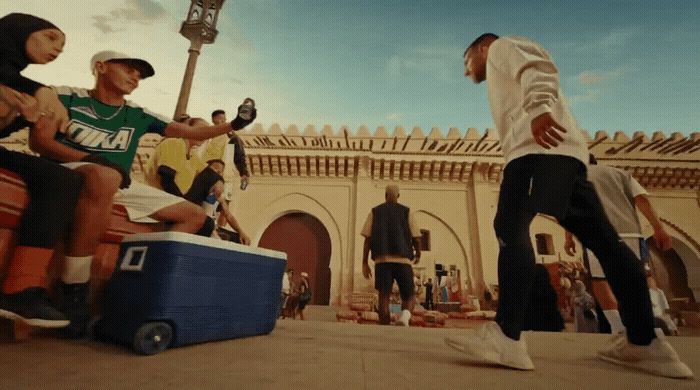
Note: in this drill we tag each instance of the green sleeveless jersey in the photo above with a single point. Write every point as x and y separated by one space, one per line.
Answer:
112 132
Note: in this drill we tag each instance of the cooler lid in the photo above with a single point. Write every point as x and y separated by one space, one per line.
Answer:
204 241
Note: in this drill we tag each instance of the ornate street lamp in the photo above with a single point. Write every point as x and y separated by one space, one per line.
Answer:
199 28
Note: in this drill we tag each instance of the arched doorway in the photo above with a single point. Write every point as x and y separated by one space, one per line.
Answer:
308 247
671 275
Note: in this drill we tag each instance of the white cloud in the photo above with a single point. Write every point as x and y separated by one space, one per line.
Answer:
592 77
616 38
394 116
619 37
588 78
590 96
132 11
437 62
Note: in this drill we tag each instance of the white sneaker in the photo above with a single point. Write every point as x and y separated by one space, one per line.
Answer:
489 345
658 358
404 318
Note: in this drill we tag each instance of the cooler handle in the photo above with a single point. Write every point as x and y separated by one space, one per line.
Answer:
134 258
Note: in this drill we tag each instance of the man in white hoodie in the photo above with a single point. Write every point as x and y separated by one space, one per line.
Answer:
545 172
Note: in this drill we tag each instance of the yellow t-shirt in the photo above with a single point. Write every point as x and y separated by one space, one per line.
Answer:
213 149
172 152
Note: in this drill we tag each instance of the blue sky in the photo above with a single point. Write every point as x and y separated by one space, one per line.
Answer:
628 66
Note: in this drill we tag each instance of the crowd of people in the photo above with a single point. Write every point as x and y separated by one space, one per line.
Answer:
86 140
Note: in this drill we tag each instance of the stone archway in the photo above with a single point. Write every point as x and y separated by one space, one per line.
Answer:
308 246
446 249
671 272
684 260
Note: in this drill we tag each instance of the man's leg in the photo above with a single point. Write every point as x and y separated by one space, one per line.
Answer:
383 282
145 203
641 349
500 342
516 257
603 294
94 208
92 216
608 304
625 273
403 273
185 217
384 315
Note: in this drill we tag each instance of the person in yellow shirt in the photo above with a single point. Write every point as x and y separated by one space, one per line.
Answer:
174 165
214 149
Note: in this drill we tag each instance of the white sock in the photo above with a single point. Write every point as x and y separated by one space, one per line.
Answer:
405 315
615 321
76 269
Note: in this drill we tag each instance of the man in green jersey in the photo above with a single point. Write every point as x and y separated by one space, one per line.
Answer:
100 143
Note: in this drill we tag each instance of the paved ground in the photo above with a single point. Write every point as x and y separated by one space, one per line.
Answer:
326 355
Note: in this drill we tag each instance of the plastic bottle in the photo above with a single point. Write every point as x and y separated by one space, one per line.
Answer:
246 110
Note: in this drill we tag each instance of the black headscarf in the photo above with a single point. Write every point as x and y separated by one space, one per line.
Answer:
15 29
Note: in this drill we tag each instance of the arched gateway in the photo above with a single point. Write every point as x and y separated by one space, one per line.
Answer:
308 247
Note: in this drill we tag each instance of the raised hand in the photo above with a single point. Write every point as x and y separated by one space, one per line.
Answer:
245 115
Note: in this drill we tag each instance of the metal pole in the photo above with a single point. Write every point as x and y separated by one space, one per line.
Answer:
194 50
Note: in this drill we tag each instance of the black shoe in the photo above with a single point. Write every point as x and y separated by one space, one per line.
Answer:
76 308
32 307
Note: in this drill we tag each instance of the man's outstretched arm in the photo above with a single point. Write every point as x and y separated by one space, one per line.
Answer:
663 240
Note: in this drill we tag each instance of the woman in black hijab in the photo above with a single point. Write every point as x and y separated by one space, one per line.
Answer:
53 189
26 39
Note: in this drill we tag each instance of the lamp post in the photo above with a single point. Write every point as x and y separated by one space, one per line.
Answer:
199 28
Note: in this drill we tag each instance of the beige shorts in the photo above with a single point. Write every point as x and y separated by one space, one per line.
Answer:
594 265
139 200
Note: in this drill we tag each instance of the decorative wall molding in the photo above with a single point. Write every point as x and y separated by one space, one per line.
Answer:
658 161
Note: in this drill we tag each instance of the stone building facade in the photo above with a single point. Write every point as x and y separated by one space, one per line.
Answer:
311 190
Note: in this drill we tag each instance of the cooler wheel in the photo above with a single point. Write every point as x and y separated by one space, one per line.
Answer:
153 337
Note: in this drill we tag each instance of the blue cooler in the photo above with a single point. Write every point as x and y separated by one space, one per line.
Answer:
171 289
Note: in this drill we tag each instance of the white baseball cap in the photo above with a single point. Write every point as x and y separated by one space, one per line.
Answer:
143 66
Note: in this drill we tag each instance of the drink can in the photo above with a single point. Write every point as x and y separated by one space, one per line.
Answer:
246 110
